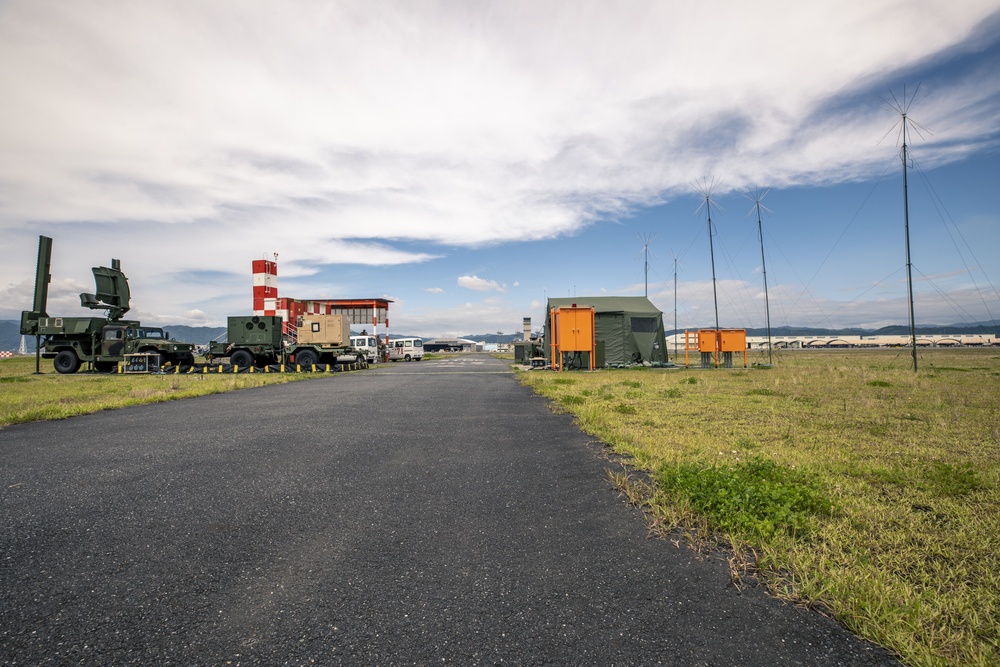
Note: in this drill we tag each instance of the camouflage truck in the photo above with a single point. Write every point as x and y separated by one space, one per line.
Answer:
71 341
102 342
258 341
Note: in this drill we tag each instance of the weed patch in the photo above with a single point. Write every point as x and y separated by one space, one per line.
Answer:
946 479
751 499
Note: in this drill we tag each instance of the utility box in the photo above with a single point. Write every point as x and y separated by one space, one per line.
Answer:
732 340
325 330
576 329
573 331
707 341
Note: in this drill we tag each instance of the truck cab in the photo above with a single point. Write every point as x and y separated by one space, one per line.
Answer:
367 345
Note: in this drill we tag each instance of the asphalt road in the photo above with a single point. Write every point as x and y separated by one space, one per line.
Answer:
422 513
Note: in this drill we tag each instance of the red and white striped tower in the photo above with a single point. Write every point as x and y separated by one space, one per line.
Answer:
265 286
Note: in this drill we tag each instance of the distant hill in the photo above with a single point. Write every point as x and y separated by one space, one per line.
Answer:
894 330
10 334
492 338
196 335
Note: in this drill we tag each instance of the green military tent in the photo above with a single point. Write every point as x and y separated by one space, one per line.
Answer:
630 328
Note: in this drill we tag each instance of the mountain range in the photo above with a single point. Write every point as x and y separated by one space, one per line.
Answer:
10 335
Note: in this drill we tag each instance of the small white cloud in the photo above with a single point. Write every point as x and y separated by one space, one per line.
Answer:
197 315
480 284
517 283
434 290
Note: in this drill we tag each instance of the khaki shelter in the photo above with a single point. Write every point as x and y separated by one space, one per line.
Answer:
628 329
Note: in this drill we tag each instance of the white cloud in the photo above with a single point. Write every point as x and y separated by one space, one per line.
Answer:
434 290
197 315
480 284
478 317
217 132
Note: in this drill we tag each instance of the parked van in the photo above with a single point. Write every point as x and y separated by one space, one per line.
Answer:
367 345
407 349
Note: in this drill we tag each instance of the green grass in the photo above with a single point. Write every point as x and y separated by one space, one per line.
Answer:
26 397
841 479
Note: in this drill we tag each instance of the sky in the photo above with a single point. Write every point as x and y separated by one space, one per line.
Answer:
468 160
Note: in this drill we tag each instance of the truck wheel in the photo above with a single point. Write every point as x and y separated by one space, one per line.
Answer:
306 358
407 358
241 359
66 362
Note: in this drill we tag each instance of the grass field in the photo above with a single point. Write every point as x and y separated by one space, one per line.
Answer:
26 397
841 479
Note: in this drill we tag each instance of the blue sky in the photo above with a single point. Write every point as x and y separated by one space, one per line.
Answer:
469 159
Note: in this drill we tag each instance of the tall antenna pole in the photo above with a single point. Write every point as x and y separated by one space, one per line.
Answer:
705 189
756 197
645 289
902 108
909 263
711 250
675 308
646 238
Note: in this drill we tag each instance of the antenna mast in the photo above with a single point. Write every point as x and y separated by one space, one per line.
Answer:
706 191
645 249
756 198
902 108
909 261
675 308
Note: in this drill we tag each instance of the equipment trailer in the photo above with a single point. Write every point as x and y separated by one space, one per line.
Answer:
258 341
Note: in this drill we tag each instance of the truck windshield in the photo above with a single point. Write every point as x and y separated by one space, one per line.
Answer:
149 333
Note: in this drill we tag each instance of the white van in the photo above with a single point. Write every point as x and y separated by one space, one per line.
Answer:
367 345
407 349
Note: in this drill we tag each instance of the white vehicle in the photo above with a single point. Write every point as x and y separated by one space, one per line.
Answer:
367 345
407 349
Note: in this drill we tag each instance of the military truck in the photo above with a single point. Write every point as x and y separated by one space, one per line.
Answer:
258 341
103 342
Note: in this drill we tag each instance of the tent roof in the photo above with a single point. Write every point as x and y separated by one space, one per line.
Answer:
608 304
